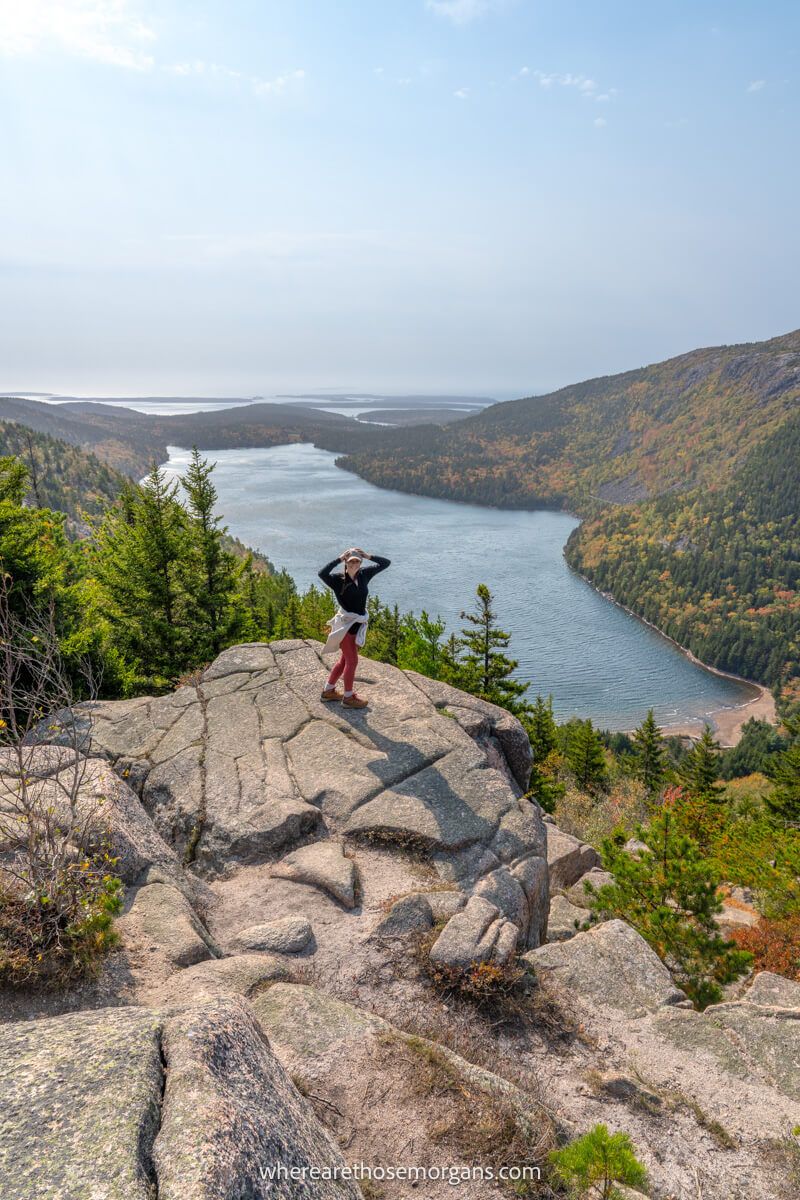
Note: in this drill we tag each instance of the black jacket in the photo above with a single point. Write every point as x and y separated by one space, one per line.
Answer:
352 593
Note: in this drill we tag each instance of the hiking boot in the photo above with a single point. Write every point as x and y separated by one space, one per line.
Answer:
330 693
354 701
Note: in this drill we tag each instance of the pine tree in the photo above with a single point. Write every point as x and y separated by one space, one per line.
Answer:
784 801
142 552
699 770
217 611
385 631
668 892
592 1164
290 622
541 728
421 648
586 758
484 661
649 755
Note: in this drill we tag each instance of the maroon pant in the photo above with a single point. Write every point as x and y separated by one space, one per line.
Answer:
347 662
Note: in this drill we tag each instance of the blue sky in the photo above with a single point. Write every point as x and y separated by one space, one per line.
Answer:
484 196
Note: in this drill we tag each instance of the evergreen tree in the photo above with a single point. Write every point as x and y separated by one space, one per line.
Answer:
649 755
586 758
699 770
541 728
217 610
142 551
385 631
668 892
784 801
290 622
421 648
484 661
595 1162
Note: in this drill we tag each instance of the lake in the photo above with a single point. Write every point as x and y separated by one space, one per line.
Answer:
294 505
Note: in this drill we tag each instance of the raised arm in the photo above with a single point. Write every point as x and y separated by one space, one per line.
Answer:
326 574
380 564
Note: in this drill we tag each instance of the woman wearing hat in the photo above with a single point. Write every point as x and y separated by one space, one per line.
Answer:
348 626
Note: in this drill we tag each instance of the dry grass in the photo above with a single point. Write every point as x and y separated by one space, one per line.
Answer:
482 1125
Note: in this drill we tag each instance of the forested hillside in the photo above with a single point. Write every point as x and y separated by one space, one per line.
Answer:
61 476
717 571
687 475
673 425
119 437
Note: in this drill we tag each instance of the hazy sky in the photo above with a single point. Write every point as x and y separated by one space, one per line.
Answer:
491 196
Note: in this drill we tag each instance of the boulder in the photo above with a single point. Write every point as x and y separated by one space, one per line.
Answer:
444 903
567 858
610 965
411 914
578 895
286 935
775 991
479 933
165 920
231 1115
322 865
108 810
561 922
131 1103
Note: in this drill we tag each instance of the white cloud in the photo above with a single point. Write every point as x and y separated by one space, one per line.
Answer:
460 12
756 85
461 93
278 85
586 86
600 122
107 31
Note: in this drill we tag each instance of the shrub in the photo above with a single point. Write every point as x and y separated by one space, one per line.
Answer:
58 885
598 1160
54 939
775 945
484 984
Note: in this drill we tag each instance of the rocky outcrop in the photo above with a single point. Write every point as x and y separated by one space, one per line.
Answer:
128 1104
756 1043
610 965
248 764
386 1092
564 919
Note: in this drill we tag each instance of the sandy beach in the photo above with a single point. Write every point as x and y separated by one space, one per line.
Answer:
727 722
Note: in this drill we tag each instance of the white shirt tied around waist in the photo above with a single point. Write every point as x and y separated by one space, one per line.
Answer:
340 622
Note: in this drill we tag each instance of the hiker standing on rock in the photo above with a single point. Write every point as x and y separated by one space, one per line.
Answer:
348 625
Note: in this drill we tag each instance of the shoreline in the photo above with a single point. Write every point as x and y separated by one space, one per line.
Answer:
727 721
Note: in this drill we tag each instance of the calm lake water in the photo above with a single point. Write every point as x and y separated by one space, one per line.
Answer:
294 505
